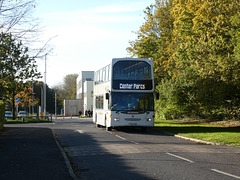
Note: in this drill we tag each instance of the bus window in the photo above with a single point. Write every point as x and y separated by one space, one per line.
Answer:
100 75
107 73
99 102
104 74
131 70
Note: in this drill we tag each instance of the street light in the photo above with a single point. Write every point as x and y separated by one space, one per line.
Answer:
44 87
56 104
32 98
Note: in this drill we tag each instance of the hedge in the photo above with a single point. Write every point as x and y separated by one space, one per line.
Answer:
2 114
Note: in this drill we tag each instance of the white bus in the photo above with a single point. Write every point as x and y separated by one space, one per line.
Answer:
124 94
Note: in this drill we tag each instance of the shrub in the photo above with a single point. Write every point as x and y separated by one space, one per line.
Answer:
197 98
2 114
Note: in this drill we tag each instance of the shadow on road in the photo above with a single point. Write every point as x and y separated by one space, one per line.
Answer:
30 153
91 160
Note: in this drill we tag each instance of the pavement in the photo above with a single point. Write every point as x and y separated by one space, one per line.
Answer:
31 153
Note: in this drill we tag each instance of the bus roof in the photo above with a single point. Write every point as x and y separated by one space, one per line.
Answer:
130 58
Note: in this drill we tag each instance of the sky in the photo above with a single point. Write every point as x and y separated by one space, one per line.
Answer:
87 34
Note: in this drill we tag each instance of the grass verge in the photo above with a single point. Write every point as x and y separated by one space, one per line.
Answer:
217 133
27 120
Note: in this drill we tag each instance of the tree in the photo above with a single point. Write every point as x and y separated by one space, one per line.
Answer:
69 86
17 17
204 40
195 47
67 90
27 96
14 14
206 56
16 67
155 39
38 94
61 95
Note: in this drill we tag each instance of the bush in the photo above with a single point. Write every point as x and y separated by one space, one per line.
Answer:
197 98
2 114
171 100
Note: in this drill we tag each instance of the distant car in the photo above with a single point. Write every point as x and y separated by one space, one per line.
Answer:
22 113
8 114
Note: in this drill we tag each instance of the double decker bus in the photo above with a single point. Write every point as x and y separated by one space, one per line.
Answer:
124 94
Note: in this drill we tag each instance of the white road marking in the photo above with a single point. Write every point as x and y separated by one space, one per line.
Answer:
180 157
120 137
109 132
126 139
133 142
227 174
80 131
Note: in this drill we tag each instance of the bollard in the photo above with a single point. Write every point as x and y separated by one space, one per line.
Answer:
23 119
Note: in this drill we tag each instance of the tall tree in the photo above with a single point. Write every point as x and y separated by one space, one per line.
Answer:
207 36
67 90
204 40
16 67
69 86
155 38
17 17
195 47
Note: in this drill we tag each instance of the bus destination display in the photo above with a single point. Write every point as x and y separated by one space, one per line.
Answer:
132 85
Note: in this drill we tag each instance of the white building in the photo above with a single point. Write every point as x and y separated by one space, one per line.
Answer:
83 76
84 90
72 107
88 96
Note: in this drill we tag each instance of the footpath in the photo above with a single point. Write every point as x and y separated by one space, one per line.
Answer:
28 153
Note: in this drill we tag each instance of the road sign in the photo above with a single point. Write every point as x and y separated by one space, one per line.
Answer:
17 100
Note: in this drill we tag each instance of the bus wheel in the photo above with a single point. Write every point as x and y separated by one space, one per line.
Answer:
108 128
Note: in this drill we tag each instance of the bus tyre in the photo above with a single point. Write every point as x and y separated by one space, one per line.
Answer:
108 128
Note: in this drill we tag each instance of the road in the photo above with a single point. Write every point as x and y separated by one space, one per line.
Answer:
131 154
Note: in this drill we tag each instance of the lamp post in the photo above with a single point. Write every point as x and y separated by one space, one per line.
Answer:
32 98
44 87
55 104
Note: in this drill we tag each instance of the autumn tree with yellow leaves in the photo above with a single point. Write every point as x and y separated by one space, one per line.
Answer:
195 47
27 96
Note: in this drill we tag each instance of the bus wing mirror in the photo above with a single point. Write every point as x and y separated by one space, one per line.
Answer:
107 96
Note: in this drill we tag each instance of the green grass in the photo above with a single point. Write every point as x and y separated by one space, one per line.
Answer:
27 120
203 131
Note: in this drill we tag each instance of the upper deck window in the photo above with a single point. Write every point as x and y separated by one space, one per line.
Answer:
131 70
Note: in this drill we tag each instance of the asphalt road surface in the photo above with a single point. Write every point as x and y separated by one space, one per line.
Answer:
131 154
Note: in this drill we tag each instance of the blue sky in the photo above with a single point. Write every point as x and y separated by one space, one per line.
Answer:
88 33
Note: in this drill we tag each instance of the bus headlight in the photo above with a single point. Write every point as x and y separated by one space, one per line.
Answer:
116 119
149 119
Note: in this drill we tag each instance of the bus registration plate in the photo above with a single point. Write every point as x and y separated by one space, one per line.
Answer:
132 124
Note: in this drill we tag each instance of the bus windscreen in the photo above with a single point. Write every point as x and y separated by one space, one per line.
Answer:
132 101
